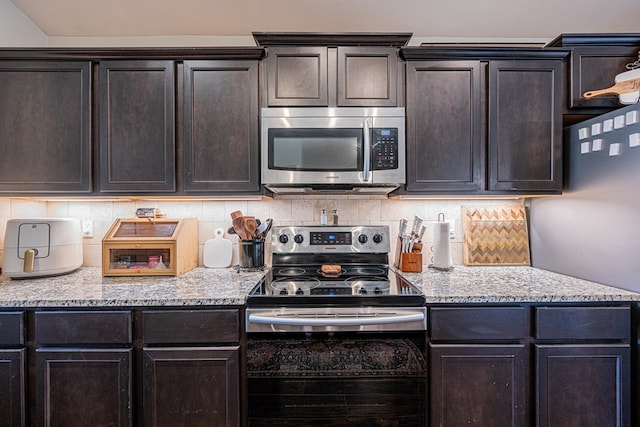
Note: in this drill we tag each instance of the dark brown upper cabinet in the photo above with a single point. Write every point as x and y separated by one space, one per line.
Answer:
45 127
137 126
343 76
484 121
297 76
446 135
596 59
221 141
525 125
307 69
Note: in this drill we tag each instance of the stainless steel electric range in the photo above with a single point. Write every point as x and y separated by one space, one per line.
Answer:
330 278
334 336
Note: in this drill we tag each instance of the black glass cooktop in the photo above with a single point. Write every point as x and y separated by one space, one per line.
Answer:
355 285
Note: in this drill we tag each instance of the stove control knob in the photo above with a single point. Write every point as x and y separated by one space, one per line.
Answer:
283 239
284 291
377 238
299 291
377 291
363 291
363 238
298 238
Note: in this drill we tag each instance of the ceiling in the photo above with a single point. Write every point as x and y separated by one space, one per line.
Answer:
438 19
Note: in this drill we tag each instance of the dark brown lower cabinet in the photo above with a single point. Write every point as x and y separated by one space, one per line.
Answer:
191 386
482 385
583 385
83 387
12 387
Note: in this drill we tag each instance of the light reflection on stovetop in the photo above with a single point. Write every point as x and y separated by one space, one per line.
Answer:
354 285
303 284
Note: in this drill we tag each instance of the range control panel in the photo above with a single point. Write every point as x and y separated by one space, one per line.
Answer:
330 239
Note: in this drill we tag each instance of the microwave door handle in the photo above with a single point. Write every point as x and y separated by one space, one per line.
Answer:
367 151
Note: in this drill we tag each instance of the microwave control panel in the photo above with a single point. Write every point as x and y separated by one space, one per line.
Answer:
384 148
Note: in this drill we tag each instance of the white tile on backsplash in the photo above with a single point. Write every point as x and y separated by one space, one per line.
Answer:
348 212
394 210
235 205
290 210
126 209
5 215
306 211
58 209
215 211
92 255
28 209
368 212
80 210
281 211
258 209
102 211
181 209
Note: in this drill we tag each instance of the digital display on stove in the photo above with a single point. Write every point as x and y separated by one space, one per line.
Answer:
330 238
331 291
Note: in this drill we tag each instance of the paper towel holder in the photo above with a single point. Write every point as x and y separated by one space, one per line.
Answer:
449 267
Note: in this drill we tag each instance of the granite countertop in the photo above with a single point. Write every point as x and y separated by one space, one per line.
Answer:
87 288
510 284
209 287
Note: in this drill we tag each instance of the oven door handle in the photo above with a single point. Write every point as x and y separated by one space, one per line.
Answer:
323 320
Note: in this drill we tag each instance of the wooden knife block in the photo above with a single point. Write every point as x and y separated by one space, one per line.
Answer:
409 262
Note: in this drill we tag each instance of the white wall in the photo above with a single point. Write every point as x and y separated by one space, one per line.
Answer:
16 30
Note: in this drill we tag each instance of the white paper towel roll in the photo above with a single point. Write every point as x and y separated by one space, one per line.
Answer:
441 247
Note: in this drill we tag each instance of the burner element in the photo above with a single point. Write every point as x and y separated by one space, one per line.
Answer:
298 286
367 271
291 271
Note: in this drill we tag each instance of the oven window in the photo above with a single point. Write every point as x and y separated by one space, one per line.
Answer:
305 149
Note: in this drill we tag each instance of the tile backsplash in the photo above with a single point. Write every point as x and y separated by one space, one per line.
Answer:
290 210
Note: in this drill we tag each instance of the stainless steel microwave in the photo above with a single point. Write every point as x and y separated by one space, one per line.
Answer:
343 149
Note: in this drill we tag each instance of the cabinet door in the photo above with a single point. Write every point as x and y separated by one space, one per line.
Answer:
525 125
483 385
583 385
297 76
596 68
12 387
445 136
45 127
137 122
191 387
367 76
221 145
83 387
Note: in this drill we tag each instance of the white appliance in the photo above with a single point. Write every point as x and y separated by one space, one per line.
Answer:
333 150
42 247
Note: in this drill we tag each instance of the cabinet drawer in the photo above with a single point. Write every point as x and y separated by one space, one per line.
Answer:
82 327
190 327
477 324
11 329
574 323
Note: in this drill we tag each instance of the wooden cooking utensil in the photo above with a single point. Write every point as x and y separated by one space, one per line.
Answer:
250 226
238 226
625 86
236 214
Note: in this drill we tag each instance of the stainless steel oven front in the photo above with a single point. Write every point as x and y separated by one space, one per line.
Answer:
344 345
361 147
